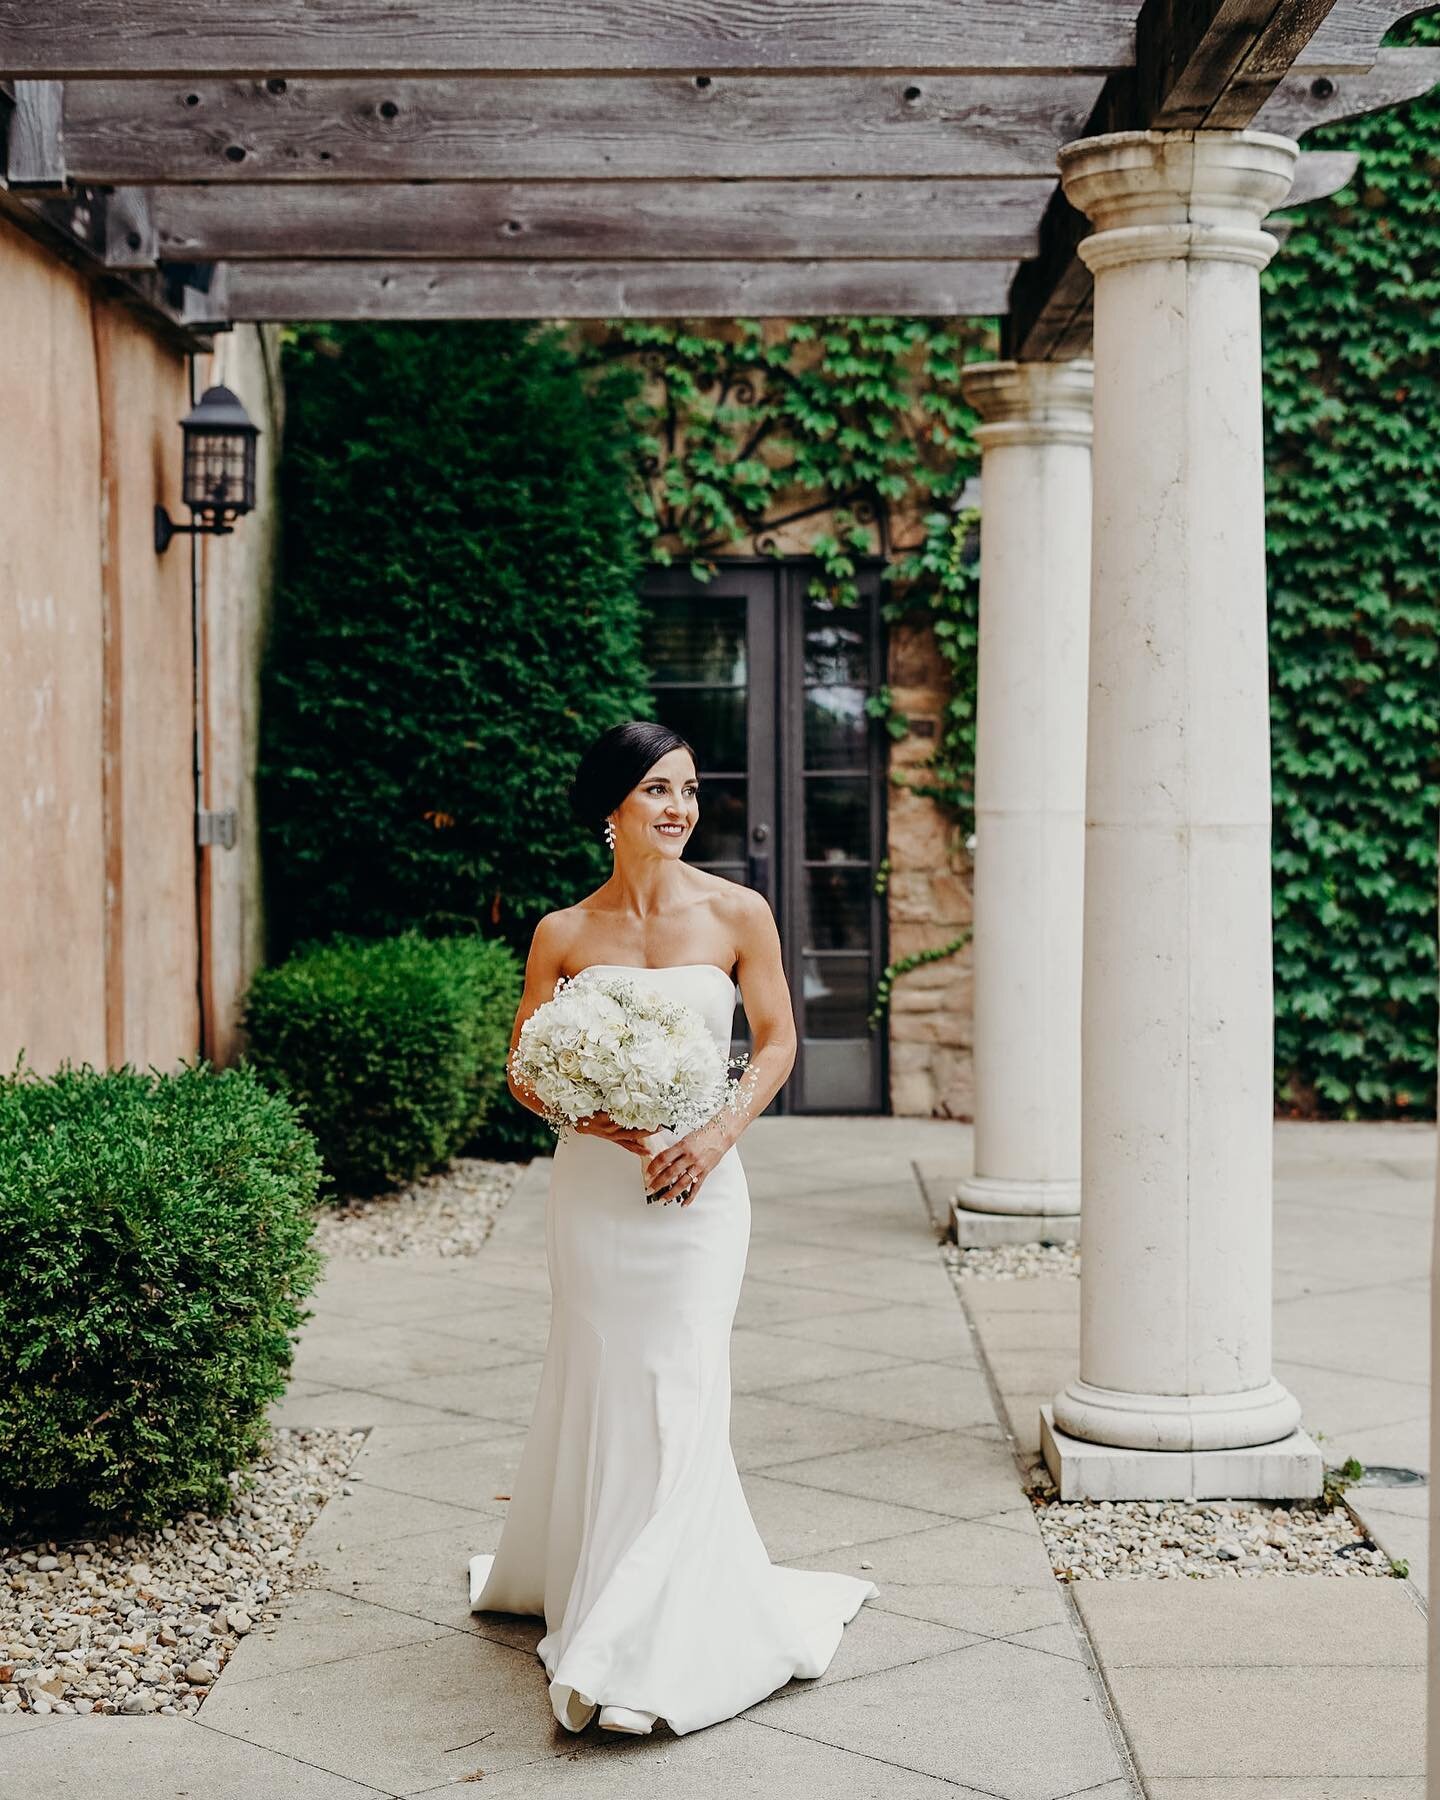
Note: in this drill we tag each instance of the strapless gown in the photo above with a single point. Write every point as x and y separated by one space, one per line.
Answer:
628 1531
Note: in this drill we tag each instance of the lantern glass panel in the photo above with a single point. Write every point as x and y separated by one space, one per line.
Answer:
220 472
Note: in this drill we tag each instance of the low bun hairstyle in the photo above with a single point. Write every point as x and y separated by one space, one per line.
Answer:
617 761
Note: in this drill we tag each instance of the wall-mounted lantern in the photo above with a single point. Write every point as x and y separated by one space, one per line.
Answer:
219 479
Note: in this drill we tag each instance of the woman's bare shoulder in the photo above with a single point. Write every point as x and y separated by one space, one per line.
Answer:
553 930
743 914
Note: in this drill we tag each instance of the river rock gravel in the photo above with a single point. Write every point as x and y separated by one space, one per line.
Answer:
447 1214
1107 1540
1014 1262
144 1622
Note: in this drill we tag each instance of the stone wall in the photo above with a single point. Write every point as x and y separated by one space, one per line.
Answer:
931 1008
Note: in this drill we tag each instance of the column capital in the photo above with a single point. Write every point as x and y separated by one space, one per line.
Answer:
1030 402
1155 195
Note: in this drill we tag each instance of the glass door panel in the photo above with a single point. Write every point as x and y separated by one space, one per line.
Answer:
711 652
770 686
835 788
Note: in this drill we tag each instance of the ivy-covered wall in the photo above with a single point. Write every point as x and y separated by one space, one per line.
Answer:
1352 386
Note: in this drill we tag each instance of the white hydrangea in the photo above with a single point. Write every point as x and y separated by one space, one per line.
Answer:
609 1043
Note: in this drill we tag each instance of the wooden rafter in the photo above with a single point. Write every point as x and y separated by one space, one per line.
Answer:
124 38
547 128
120 39
537 128
1303 101
606 220
597 290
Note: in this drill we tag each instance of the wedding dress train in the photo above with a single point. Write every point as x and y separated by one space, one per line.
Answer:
628 1530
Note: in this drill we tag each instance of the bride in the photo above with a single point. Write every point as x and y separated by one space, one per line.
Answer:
628 1530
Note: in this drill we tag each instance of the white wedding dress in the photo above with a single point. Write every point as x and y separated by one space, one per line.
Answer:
628 1530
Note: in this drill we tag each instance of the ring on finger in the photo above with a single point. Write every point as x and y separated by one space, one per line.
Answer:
675 1181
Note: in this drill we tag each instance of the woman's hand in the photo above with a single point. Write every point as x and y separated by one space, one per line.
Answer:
601 1125
678 1171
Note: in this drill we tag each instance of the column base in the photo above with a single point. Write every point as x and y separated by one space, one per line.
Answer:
987 1210
1002 1194
982 1231
1236 1419
1289 1469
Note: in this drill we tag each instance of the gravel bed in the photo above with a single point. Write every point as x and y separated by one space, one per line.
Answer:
1014 1262
144 1623
447 1214
1110 1540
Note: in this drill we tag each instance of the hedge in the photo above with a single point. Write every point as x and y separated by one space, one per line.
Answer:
392 1050
456 617
154 1253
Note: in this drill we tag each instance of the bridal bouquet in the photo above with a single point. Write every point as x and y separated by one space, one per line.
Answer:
608 1043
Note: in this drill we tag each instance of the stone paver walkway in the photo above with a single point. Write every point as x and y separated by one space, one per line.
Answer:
869 1440
1303 1688
866 1436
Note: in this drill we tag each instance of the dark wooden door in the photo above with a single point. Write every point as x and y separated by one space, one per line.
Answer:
770 686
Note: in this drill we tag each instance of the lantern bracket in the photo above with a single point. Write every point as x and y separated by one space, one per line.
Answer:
166 528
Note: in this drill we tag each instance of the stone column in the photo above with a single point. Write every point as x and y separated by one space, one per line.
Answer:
1029 799
1175 1391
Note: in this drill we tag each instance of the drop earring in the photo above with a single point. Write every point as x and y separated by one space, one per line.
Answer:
610 834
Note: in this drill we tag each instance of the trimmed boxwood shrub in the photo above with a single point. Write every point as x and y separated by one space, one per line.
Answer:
154 1251
392 1050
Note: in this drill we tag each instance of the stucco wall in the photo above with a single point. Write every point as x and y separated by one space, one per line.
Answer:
151 942
52 798
237 579
99 929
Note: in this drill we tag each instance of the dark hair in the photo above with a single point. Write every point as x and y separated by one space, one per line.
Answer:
616 762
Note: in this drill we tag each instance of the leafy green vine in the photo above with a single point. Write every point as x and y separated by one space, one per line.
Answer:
894 970
1352 385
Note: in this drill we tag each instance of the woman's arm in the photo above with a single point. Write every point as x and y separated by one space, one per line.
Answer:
543 967
678 1172
542 971
766 996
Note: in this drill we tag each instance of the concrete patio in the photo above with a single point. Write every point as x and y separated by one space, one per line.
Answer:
867 1430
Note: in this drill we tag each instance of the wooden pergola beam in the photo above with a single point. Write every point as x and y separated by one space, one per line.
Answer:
116 39
125 39
1303 100
548 128
34 141
669 221
604 290
624 138
558 128
78 229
